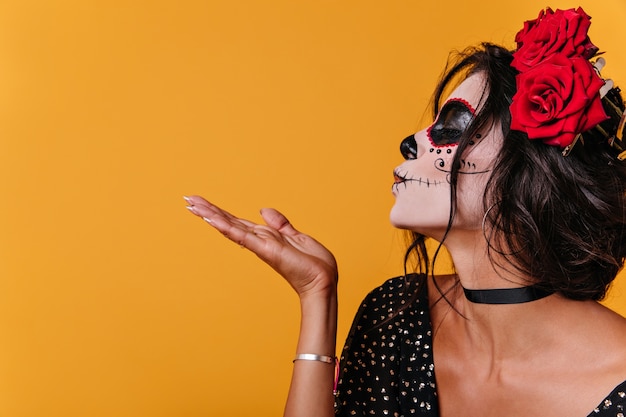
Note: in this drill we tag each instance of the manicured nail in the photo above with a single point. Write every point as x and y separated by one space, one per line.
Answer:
187 199
206 219
191 209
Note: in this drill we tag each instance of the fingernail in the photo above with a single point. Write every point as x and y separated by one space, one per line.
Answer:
206 219
187 199
191 209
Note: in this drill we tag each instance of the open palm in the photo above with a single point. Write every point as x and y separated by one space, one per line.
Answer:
305 263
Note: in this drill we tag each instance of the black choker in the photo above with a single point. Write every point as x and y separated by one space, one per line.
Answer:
506 295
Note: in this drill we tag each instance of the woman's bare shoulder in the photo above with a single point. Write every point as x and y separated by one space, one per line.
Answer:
602 337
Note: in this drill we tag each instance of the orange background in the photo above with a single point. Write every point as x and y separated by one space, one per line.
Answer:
114 301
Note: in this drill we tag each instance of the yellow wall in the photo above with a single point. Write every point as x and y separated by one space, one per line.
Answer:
114 301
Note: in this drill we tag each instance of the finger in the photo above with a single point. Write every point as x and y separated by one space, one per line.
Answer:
241 231
278 221
195 199
238 232
203 208
194 203
211 214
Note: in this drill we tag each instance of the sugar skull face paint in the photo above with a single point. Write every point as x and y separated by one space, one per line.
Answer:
421 184
452 120
454 117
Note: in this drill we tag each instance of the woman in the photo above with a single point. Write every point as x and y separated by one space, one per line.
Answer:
521 178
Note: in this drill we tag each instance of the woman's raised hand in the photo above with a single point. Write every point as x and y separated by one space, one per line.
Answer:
312 271
305 263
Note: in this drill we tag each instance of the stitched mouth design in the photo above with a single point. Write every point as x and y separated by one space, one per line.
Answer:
404 178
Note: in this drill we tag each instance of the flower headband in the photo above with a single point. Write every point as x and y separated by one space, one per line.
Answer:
560 93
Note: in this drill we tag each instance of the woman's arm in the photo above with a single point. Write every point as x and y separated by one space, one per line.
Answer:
311 390
312 272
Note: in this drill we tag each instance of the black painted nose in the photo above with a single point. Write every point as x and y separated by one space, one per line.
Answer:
408 147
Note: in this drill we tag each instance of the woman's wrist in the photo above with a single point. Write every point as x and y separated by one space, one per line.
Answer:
323 287
318 327
320 303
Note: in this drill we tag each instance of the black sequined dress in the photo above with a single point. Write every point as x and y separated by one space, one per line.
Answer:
387 368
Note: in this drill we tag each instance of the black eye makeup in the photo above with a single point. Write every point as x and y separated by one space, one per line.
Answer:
452 120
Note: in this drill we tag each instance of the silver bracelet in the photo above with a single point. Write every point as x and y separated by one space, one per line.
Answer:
314 357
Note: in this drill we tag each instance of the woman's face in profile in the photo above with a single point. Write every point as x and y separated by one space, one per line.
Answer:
421 184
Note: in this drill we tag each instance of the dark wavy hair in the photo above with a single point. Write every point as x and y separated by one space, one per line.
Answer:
559 220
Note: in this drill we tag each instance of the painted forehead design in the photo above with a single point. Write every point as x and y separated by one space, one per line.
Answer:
451 122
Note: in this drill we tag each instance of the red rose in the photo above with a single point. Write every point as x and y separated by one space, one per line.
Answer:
557 100
563 31
528 25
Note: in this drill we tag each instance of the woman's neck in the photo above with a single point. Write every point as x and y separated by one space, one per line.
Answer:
505 328
500 332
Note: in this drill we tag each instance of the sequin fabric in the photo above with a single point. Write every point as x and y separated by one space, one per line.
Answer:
387 367
614 405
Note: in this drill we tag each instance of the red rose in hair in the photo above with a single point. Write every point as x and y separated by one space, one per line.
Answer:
563 31
529 24
557 100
